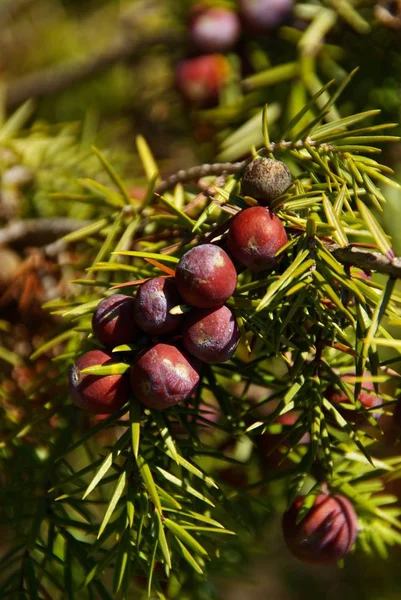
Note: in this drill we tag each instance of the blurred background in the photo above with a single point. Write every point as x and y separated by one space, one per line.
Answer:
192 79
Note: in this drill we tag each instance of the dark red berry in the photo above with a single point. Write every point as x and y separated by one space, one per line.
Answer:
211 334
200 80
163 376
254 237
113 321
367 397
260 16
265 179
206 276
214 29
155 298
100 394
326 533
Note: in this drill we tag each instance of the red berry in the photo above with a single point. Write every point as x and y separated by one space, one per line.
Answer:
163 376
214 29
254 237
263 15
206 276
211 334
100 394
265 179
368 400
155 298
200 80
113 321
325 534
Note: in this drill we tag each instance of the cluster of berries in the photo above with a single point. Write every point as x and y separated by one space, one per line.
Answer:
216 29
166 371
175 343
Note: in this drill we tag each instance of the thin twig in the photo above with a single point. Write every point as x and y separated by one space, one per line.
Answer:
194 173
365 259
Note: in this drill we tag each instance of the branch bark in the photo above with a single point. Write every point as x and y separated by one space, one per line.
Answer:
366 260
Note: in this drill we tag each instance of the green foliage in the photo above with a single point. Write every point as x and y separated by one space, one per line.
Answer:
98 508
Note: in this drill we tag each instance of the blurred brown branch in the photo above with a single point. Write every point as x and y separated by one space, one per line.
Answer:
37 232
55 79
10 9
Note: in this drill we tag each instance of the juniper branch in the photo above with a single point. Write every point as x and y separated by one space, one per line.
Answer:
229 168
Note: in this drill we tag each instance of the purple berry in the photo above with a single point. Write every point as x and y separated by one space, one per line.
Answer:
155 298
214 29
206 276
113 321
163 376
260 16
254 237
100 394
211 334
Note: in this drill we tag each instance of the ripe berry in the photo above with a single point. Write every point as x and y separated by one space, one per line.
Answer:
265 179
200 80
113 321
254 237
206 276
214 29
155 298
325 534
100 394
163 376
368 399
260 16
211 334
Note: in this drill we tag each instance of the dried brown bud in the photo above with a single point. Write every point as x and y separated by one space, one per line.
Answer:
265 179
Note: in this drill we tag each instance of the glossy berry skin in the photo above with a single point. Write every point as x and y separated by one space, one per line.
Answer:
163 376
201 79
113 321
211 334
206 276
99 394
326 533
254 237
155 298
265 179
214 29
367 397
260 16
